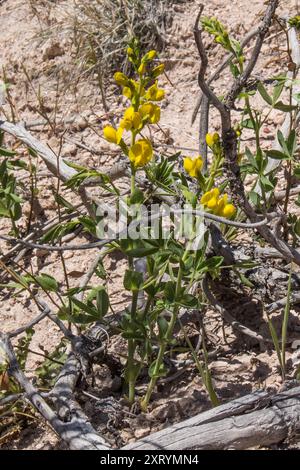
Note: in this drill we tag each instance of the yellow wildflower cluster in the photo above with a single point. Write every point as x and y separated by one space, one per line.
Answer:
217 204
143 94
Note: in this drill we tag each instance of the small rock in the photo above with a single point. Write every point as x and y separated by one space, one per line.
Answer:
52 50
70 149
139 433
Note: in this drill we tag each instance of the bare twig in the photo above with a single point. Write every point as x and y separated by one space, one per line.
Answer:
77 432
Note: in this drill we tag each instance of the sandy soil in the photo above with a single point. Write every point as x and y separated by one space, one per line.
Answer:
27 42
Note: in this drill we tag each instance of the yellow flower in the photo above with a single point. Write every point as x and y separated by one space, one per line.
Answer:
129 51
149 56
154 93
112 135
127 92
218 205
212 139
150 111
141 153
158 70
210 197
193 166
121 79
228 211
221 205
142 68
131 120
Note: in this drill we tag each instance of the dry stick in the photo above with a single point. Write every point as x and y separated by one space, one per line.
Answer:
31 324
203 130
83 246
78 433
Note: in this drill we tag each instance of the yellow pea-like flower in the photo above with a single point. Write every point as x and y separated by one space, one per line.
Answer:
150 55
228 211
212 194
150 112
112 135
212 139
216 204
158 70
154 93
222 201
193 166
129 51
141 153
131 120
142 68
121 79
127 92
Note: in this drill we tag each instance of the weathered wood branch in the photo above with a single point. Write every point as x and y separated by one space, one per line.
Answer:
77 432
250 421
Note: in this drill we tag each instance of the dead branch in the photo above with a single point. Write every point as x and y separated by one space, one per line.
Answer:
254 420
77 432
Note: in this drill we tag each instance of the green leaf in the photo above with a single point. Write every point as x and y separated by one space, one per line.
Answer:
170 290
102 301
277 155
277 91
133 280
292 143
264 94
162 327
188 300
47 282
137 197
138 248
161 372
266 183
90 310
7 153
286 108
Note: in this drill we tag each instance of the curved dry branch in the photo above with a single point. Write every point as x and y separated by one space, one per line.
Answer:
77 432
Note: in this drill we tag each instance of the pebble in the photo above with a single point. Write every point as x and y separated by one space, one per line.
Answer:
52 50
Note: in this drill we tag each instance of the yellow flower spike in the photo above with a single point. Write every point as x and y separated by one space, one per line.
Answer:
193 166
112 135
131 120
150 112
229 210
141 153
121 79
212 139
158 70
154 93
212 194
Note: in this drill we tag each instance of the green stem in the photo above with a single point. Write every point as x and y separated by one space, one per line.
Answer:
132 376
162 349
